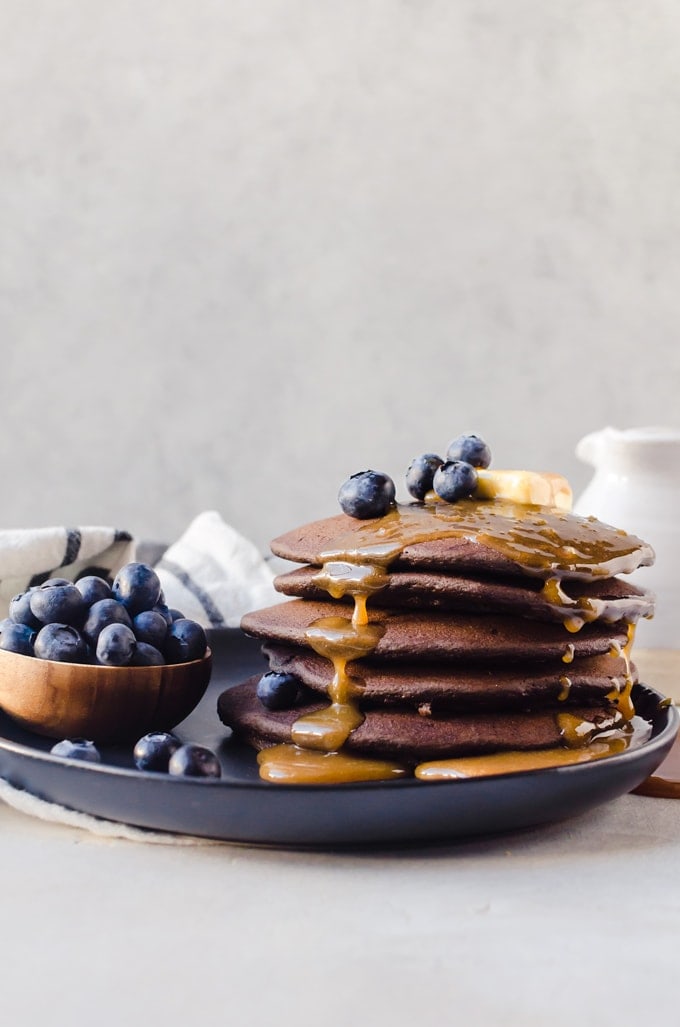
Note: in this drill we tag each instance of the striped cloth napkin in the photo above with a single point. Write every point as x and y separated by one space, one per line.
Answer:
211 573
29 556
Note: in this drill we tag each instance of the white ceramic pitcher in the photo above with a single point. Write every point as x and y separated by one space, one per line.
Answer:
636 486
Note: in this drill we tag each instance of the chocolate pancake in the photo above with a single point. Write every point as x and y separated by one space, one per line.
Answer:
420 635
605 551
610 599
587 680
408 736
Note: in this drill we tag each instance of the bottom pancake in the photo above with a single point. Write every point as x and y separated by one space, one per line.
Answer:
446 687
404 734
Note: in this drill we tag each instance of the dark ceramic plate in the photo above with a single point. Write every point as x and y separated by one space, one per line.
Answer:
241 808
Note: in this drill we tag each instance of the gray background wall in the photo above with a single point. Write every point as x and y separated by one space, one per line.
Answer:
249 247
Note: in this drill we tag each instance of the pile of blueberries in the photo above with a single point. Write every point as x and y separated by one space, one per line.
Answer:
372 493
89 621
126 623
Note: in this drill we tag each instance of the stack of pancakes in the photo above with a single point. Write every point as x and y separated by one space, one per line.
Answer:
508 629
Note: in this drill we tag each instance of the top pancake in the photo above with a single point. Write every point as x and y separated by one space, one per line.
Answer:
487 536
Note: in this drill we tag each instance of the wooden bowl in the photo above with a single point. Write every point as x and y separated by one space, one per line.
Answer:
104 704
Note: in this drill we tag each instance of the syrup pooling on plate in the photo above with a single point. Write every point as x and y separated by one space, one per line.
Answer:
609 743
542 541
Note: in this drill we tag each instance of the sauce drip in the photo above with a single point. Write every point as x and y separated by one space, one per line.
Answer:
620 695
543 541
664 783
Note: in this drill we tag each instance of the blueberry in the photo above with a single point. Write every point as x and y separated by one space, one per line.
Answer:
146 655
116 645
77 749
150 627
471 449
17 638
153 751
61 642
278 691
93 588
137 587
20 609
175 614
420 473
194 761
367 494
58 602
165 613
185 640
454 480
101 614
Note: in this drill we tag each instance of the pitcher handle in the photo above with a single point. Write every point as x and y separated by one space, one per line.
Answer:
589 448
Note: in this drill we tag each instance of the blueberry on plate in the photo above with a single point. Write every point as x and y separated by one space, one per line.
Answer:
153 751
420 473
278 691
93 588
367 494
146 655
150 627
454 480
471 449
115 645
17 638
61 642
137 587
101 614
58 602
20 609
186 640
194 761
77 749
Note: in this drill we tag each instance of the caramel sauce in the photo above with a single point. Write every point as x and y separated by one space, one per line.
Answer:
620 695
537 538
543 541
609 743
518 760
290 764
577 732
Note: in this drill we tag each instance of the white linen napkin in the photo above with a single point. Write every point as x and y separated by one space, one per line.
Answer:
214 575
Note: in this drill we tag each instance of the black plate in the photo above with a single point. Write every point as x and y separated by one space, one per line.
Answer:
241 808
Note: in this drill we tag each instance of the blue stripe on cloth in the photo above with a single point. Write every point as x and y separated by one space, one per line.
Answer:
213 614
73 540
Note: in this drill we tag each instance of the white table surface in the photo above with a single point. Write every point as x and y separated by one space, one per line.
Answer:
575 923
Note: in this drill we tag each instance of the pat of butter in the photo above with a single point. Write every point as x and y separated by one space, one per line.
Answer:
541 488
